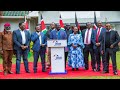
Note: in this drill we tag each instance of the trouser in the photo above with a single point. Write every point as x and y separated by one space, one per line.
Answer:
110 53
7 60
98 56
49 56
36 57
19 54
88 49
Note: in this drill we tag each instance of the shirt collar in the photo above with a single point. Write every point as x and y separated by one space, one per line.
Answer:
20 29
108 30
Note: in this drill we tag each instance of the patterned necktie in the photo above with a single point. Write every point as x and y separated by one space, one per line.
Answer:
98 34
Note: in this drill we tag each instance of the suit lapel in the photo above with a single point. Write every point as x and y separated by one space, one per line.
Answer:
19 34
41 37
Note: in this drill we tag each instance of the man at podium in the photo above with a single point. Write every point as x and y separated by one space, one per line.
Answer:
58 34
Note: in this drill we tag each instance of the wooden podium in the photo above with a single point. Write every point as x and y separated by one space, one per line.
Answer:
57 56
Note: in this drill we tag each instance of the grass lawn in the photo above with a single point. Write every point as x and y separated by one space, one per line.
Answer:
94 77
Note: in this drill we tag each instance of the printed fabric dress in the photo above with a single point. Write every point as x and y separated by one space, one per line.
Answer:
75 55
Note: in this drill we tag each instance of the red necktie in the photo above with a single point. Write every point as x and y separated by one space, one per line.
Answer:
87 36
98 33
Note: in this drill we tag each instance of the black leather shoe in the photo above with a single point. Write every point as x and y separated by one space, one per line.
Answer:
35 71
10 72
86 68
105 72
43 70
98 70
28 72
77 69
94 70
73 69
115 73
17 73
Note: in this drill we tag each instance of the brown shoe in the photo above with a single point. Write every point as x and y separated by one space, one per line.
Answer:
10 72
5 73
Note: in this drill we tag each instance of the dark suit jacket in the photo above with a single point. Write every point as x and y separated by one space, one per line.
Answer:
17 39
36 42
92 36
103 30
114 39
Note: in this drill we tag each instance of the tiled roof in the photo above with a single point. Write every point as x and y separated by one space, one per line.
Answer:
14 13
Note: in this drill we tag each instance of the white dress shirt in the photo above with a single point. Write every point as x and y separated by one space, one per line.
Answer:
23 36
39 37
89 36
100 31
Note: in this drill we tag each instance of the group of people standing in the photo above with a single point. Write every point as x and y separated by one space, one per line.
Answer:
102 42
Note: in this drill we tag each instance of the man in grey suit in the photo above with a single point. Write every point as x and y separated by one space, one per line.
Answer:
21 39
109 47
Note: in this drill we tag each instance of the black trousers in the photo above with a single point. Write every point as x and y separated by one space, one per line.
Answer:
110 53
98 57
89 49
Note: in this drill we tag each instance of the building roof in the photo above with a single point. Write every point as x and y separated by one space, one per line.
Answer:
14 13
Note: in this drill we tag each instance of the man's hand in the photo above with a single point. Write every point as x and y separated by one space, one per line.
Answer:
1 52
97 44
111 46
22 46
25 47
42 45
102 52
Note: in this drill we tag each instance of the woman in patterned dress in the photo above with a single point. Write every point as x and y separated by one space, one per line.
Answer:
76 45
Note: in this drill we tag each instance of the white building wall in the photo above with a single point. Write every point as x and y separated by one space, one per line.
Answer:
14 23
117 27
53 16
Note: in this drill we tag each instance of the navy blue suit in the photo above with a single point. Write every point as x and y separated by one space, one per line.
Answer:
58 35
61 34
17 39
89 48
38 49
97 49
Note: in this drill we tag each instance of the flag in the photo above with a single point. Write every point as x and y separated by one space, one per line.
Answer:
26 24
43 27
61 23
77 24
95 22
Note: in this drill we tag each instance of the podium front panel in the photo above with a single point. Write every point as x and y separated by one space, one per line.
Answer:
57 60
56 43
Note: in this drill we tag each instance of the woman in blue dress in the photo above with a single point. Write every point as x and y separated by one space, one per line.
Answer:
76 45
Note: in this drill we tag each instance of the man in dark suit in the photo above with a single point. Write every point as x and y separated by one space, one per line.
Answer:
21 39
39 48
89 41
98 38
109 47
